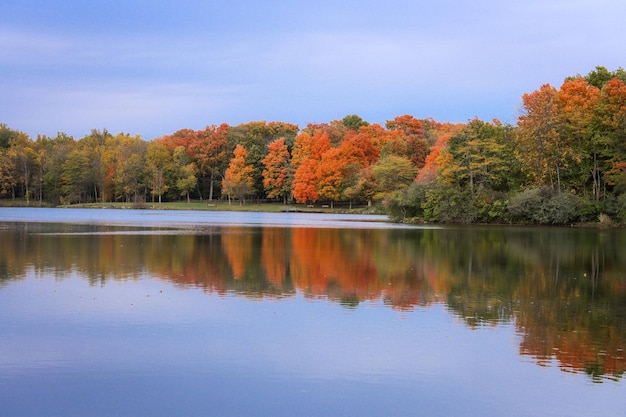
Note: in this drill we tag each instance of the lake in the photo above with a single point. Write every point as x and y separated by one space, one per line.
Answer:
109 312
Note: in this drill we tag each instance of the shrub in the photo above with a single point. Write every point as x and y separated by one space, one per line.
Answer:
406 203
449 205
491 206
545 206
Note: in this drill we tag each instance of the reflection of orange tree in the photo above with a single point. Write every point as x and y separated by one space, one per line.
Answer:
190 260
237 245
356 265
583 332
333 262
275 254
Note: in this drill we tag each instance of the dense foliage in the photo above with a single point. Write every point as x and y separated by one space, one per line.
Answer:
563 162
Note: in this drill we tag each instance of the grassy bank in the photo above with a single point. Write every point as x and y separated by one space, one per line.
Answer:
224 206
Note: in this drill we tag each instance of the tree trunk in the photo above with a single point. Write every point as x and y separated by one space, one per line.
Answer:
211 188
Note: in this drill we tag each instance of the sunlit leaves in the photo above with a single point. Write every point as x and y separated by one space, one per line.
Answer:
238 180
278 174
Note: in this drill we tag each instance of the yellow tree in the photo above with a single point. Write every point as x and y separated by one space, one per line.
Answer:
160 164
25 159
8 173
538 136
238 179
130 170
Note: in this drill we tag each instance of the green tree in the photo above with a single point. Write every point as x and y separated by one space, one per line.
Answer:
254 137
354 122
482 157
75 183
392 173
56 151
186 170
601 76
610 133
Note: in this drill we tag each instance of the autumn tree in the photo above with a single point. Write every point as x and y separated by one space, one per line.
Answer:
437 157
159 165
238 179
255 137
307 156
278 174
330 175
578 146
130 169
335 130
24 159
409 139
393 173
209 150
95 146
8 174
341 168
538 136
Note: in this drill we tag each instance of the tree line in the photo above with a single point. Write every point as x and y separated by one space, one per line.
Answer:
564 161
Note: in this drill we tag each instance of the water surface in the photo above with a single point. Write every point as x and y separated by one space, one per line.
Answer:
105 312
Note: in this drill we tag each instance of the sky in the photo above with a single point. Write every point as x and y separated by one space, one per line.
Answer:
152 67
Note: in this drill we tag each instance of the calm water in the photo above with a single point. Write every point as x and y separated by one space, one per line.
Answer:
155 313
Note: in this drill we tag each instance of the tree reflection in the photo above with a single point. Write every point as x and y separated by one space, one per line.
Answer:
563 289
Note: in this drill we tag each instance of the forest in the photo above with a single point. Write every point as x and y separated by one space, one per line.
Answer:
563 162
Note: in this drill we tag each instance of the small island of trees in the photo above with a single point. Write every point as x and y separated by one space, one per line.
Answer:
563 162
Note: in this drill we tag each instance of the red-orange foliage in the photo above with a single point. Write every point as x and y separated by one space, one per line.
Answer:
277 174
432 163
409 140
307 155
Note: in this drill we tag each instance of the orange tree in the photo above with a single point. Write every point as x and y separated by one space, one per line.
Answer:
238 179
277 175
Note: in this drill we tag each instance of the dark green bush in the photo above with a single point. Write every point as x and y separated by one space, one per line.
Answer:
406 203
449 205
620 211
546 206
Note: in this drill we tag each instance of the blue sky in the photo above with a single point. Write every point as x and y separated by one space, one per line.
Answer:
151 67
